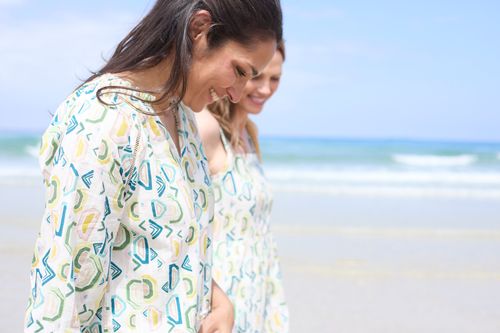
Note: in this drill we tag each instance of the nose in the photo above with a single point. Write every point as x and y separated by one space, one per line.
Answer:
235 92
265 89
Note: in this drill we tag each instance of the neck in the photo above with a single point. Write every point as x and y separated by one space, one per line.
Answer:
151 79
239 119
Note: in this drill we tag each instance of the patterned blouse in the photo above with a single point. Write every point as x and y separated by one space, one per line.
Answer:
125 238
246 263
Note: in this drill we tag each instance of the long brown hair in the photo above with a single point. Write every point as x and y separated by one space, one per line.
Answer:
164 32
223 111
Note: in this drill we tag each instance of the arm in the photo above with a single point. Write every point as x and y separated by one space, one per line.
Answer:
71 264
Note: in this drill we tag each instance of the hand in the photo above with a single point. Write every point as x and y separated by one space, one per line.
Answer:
221 318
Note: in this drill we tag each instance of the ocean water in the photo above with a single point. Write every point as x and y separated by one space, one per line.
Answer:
18 159
383 167
335 167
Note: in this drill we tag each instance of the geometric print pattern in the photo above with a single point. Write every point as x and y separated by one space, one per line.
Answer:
246 264
125 240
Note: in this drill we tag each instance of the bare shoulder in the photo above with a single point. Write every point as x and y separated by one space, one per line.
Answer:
209 130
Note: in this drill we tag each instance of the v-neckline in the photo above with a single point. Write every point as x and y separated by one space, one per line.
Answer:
180 128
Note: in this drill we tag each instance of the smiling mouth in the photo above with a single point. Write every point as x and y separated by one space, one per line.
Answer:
257 100
214 95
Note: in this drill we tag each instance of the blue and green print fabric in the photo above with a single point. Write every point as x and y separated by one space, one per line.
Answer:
246 263
124 244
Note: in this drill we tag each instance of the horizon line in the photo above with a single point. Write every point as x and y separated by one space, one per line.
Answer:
5 132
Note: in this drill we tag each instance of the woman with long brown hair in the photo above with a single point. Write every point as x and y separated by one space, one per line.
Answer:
245 255
125 241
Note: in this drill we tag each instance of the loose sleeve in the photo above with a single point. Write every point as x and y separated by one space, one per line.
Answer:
85 180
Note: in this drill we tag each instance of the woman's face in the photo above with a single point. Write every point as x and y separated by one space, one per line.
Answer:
260 88
224 71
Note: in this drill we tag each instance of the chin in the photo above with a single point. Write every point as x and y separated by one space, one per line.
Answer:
197 106
254 109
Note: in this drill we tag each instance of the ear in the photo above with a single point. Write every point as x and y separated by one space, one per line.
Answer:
200 24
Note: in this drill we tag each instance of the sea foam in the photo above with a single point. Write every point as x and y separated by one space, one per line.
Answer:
325 175
390 191
434 160
20 175
393 183
32 151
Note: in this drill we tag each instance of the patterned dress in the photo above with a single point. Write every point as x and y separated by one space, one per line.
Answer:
125 238
245 255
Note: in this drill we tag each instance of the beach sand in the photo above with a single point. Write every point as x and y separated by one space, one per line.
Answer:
350 264
365 264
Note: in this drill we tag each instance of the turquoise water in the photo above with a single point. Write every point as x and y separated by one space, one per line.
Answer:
382 153
336 166
384 167
18 159
18 146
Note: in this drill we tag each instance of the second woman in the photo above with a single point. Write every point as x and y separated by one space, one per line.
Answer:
245 255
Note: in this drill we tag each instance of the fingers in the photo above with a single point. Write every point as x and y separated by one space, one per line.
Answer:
213 324
207 325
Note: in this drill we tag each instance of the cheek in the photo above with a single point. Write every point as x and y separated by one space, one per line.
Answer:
225 76
274 87
250 87
215 75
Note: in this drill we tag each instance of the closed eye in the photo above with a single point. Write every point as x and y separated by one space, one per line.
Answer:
240 72
257 78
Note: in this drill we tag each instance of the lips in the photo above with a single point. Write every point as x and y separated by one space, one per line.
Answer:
257 100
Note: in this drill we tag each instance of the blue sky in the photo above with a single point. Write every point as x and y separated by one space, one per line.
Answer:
355 69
